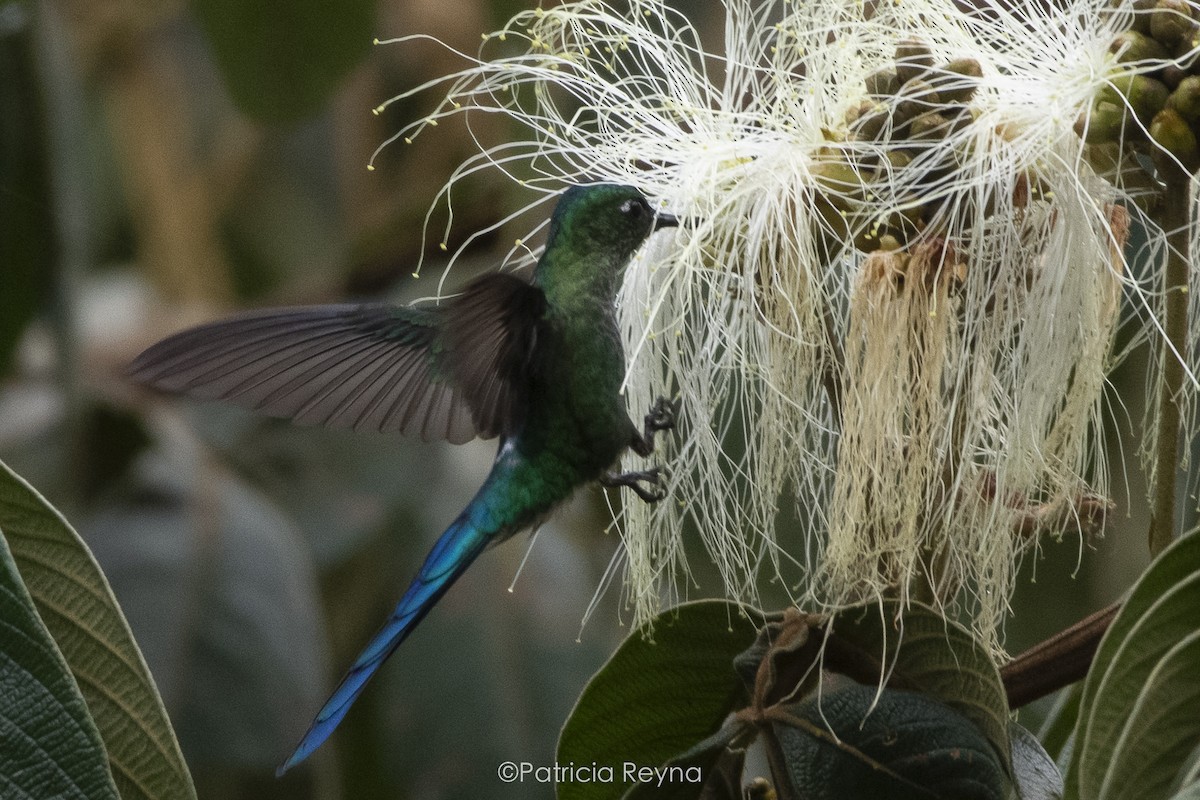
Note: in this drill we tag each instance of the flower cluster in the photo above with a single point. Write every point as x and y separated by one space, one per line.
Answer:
891 316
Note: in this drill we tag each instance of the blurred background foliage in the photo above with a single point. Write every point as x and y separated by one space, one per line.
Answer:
165 162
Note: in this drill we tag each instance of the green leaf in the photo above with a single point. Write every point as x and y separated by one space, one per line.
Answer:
51 748
282 61
855 741
1138 720
1034 771
657 697
928 653
77 606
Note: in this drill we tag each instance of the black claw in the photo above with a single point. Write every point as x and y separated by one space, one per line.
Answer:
632 480
661 417
663 414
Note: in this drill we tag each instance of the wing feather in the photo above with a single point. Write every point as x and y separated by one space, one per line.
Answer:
451 372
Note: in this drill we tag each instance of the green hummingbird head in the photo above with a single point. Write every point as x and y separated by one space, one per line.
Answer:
605 218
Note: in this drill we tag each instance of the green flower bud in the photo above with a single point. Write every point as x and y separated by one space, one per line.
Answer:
1141 19
1104 123
1133 47
899 159
930 126
913 60
958 80
1172 75
1175 140
882 83
1186 99
1171 22
839 182
871 125
915 98
1145 95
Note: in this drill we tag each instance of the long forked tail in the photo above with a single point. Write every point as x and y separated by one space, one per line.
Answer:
449 558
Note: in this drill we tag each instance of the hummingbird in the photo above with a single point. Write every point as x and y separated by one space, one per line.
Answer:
536 362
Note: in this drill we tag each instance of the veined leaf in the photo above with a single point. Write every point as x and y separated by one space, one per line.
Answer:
1138 719
50 746
657 697
920 649
75 602
855 741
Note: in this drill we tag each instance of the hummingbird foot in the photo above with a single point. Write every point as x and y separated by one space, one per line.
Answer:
632 480
661 417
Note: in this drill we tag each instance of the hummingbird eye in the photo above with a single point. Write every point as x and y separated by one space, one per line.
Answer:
634 208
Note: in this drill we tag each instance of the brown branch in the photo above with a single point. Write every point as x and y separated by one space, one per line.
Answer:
1059 661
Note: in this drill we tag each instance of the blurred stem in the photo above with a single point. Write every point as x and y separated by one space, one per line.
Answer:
67 134
175 215
1175 216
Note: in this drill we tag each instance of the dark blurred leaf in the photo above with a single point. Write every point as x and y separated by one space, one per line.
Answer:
81 613
51 747
657 697
113 437
1034 771
26 229
282 61
928 653
1138 720
220 589
856 742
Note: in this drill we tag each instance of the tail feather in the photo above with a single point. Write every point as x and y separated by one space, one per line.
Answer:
449 558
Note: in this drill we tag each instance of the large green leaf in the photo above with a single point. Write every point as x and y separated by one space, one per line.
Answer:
857 741
920 649
1138 719
281 61
77 606
657 697
50 746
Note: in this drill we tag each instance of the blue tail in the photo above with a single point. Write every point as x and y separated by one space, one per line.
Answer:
449 558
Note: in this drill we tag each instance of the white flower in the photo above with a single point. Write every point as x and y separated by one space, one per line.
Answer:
894 333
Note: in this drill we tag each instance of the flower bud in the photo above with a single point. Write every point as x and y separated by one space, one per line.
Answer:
913 60
958 80
930 126
1171 22
1185 100
1176 141
882 83
1103 123
1141 18
1145 95
1132 47
915 98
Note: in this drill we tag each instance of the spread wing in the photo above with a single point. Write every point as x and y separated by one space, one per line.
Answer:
366 367
497 330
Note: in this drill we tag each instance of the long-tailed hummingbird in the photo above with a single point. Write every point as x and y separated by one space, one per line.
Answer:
537 363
